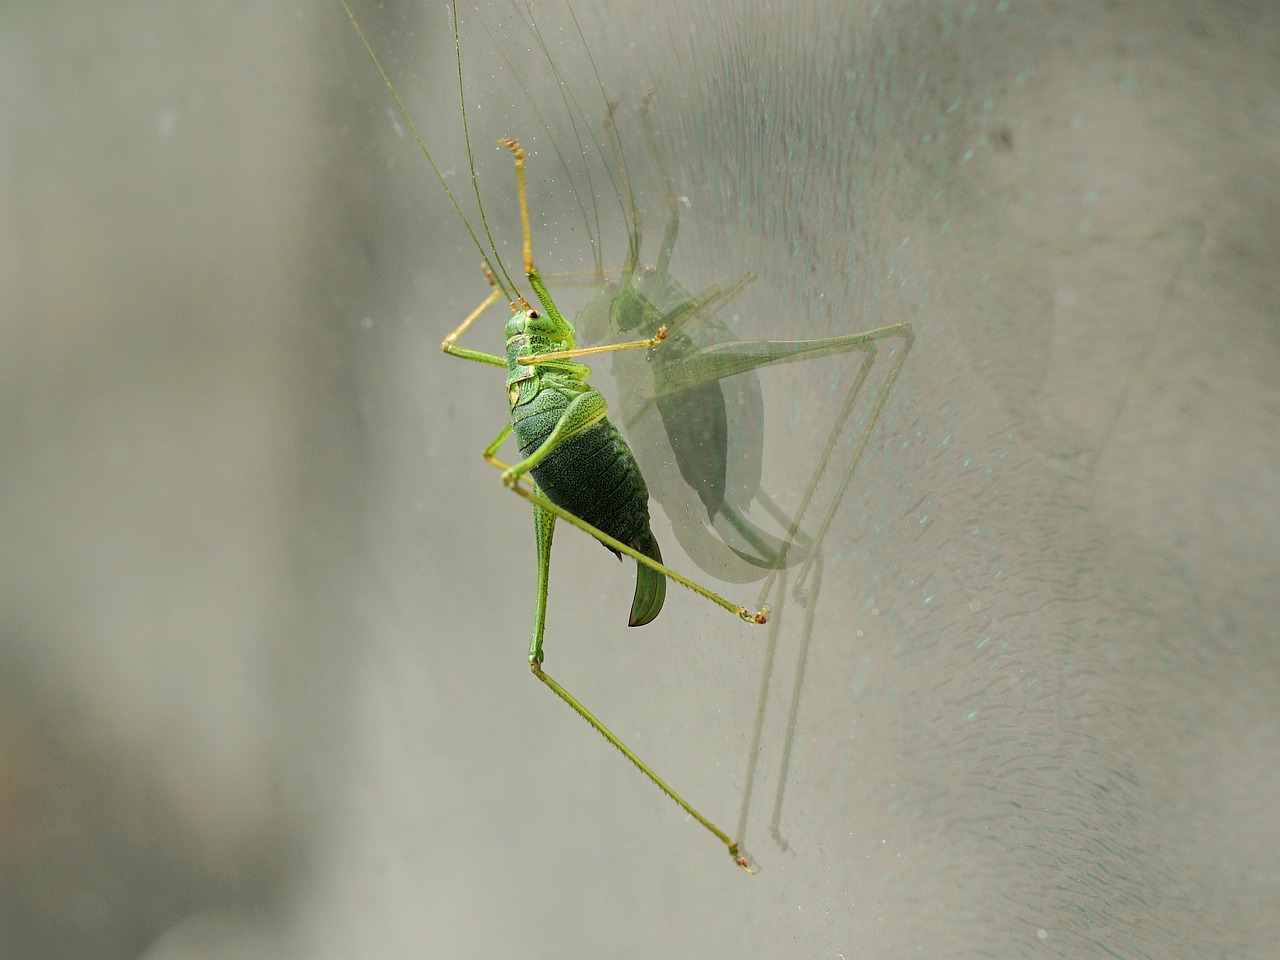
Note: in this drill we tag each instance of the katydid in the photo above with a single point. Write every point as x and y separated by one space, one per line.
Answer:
693 410
570 450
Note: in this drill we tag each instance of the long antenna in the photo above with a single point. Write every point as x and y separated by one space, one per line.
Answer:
466 136
509 286
555 146
575 113
616 144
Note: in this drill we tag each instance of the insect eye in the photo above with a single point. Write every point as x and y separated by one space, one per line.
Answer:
533 314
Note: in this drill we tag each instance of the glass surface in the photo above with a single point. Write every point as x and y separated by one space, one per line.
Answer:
263 688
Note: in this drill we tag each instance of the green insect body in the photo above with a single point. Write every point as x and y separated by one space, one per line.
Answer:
593 474
583 471
575 465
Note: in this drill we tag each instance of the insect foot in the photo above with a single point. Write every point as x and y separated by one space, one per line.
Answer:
742 859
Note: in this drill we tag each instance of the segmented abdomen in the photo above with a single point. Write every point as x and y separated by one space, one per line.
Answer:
593 475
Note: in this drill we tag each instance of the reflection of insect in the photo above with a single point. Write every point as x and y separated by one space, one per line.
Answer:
696 400
583 471
701 391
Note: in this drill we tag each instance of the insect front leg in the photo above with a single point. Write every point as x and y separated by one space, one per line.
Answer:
449 345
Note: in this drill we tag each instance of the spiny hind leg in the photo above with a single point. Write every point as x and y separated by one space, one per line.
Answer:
544 527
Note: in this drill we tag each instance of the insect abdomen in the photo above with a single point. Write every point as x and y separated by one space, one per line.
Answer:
593 475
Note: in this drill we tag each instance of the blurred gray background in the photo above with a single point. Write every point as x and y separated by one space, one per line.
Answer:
265 610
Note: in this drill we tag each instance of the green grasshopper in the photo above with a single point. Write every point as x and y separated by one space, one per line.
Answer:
582 471
680 378
696 404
